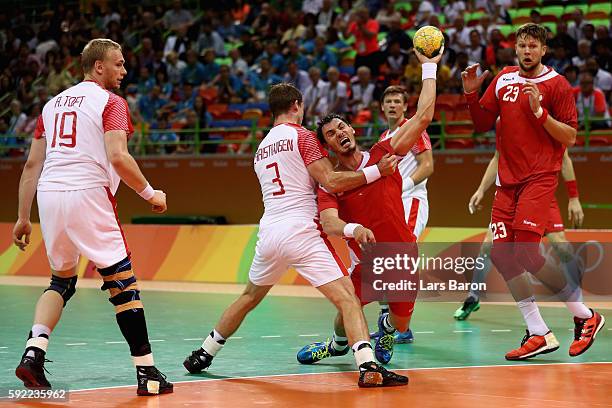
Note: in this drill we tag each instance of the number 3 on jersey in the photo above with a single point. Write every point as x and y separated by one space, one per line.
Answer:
70 137
277 179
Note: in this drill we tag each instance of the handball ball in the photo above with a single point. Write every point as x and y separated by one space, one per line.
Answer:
428 40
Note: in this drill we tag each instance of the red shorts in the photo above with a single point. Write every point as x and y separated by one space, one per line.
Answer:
524 206
555 222
402 309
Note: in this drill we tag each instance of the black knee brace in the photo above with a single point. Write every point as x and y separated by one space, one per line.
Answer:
121 282
64 286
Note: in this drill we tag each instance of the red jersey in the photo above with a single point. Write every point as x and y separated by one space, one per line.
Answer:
377 206
525 147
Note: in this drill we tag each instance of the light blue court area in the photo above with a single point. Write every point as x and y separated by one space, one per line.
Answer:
88 351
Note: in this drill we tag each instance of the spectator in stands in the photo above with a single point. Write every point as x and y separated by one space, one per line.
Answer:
603 53
161 80
588 32
260 81
178 42
229 31
209 39
396 34
177 16
412 72
312 6
204 119
592 102
571 74
362 91
386 14
315 98
145 80
292 53
190 133
146 56
164 139
239 66
152 103
174 68
476 51
461 63
584 52
496 41
602 78
486 26
458 35
560 60
337 92
323 57
149 29
186 100
396 59
294 30
563 39
535 16
425 9
365 30
16 123
454 9
58 78
574 28
195 72
297 77
276 59
326 16
229 87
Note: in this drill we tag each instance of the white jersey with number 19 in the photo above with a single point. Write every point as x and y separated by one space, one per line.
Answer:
74 123
281 163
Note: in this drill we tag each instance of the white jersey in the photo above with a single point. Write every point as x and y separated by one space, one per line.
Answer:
408 164
74 123
280 162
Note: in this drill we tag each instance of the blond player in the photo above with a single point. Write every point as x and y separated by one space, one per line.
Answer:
80 147
289 163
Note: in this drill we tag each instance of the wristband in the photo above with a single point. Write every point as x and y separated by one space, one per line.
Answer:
349 229
147 193
429 70
371 173
541 115
408 183
572 188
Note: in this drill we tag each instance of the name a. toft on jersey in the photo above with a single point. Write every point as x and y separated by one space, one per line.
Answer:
283 145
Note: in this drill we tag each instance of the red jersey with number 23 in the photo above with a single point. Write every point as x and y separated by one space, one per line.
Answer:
377 206
525 147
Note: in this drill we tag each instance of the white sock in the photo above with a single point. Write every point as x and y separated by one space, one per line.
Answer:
387 326
362 350
572 296
146 360
41 333
213 343
339 343
384 308
532 316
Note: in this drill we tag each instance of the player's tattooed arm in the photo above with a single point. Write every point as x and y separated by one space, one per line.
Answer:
338 181
333 225
27 190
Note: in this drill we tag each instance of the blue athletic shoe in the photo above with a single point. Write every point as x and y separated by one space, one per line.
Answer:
314 352
404 337
383 349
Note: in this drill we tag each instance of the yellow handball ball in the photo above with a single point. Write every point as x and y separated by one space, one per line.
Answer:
428 40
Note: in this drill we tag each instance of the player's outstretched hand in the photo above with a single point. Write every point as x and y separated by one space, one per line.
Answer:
387 164
471 81
158 202
423 59
575 213
475 200
21 233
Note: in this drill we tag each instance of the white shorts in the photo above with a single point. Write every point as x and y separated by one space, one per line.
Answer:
81 222
298 244
417 214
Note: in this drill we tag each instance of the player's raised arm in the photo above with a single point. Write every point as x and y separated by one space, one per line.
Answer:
27 189
338 181
487 181
410 131
484 111
574 208
127 168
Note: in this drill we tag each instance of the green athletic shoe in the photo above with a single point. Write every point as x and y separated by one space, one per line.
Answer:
471 304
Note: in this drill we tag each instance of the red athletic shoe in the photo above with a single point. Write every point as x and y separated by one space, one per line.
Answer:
585 331
532 345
